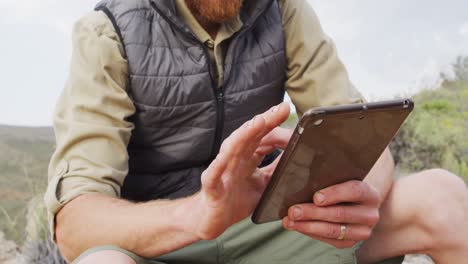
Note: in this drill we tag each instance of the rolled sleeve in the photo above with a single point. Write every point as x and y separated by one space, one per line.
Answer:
90 120
316 76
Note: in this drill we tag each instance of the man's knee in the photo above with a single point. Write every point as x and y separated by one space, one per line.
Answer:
443 192
107 257
444 213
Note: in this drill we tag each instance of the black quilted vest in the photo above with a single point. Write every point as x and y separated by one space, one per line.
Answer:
181 116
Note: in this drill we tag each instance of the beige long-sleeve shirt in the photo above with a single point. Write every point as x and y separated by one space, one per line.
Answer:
90 118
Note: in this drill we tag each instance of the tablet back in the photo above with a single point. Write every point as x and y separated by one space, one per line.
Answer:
329 146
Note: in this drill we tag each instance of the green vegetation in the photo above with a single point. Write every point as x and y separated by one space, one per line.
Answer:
436 134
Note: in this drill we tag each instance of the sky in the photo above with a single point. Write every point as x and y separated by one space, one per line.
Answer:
390 47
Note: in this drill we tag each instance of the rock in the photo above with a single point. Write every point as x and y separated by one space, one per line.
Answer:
8 250
41 252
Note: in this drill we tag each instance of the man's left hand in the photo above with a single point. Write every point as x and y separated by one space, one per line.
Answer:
352 206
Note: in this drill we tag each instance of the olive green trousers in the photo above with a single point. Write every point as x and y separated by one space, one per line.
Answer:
246 242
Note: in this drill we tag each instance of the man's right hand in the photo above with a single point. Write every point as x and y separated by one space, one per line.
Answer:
232 185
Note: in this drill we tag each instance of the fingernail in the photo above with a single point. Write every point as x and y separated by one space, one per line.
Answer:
251 122
319 198
297 212
275 109
290 223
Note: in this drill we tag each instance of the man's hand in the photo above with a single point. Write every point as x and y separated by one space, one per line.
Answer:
232 185
354 204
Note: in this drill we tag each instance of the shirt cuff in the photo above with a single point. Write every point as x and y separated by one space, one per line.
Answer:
56 196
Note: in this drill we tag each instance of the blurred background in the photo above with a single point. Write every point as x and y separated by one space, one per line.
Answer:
392 49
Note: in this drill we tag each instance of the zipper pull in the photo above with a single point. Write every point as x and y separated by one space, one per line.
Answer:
220 96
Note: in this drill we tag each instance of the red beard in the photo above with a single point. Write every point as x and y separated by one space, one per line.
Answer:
214 11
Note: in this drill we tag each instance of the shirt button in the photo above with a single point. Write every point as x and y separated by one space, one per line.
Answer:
210 44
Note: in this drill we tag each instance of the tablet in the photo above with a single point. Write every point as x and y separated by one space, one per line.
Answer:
330 145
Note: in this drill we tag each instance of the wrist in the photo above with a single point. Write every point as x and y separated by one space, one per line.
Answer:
189 214
200 219
164 220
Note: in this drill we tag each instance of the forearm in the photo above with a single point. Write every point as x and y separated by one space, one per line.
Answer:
147 229
381 175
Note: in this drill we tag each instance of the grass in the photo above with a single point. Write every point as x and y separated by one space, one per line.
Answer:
24 156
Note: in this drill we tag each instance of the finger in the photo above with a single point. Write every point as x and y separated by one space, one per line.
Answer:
255 129
241 144
275 117
243 139
278 138
329 230
348 192
264 150
341 214
231 152
340 244
246 140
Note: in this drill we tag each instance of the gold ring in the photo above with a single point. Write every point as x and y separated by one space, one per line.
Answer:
342 232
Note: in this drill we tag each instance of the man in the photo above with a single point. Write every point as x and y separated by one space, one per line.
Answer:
170 108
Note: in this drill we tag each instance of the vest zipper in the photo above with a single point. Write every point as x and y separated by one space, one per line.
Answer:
219 122
219 98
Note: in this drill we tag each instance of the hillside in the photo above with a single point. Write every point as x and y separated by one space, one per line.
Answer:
24 155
